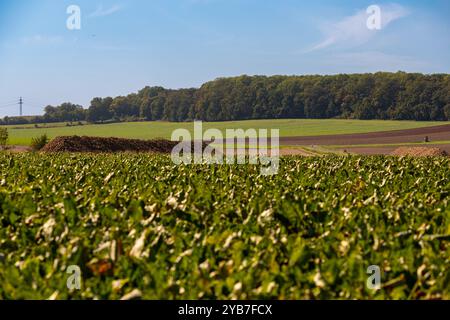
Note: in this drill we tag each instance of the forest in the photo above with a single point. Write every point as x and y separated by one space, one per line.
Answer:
383 96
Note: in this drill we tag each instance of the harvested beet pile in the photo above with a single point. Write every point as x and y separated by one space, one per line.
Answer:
98 144
419 152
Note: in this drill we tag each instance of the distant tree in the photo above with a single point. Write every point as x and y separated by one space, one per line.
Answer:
157 106
100 109
447 112
65 112
146 109
147 96
120 108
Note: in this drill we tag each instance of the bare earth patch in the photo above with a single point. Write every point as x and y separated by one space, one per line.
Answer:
419 152
436 133
98 144
18 149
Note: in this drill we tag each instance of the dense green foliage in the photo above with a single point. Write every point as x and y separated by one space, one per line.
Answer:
3 137
38 143
399 96
139 222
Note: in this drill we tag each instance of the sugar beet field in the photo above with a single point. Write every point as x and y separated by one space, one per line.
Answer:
139 224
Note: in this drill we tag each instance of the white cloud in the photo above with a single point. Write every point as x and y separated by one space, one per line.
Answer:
371 61
353 31
41 39
102 12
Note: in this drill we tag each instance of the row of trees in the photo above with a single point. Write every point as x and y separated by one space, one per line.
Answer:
67 112
401 96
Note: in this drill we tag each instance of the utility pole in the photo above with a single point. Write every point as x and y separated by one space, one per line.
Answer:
20 103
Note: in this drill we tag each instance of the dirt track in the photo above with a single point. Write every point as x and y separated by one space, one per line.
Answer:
437 133
386 149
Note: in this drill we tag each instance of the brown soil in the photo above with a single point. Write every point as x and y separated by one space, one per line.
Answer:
419 152
295 152
368 151
17 149
436 133
385 150
98 144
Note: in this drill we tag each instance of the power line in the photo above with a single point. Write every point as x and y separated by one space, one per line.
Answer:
9 105
21 103
9 101
12 104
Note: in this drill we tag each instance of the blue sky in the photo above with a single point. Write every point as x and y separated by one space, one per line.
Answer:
125 45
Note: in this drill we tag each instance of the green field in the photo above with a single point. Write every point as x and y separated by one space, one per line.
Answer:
138 222
22 135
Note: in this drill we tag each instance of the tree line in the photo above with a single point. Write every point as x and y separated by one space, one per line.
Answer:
394 96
